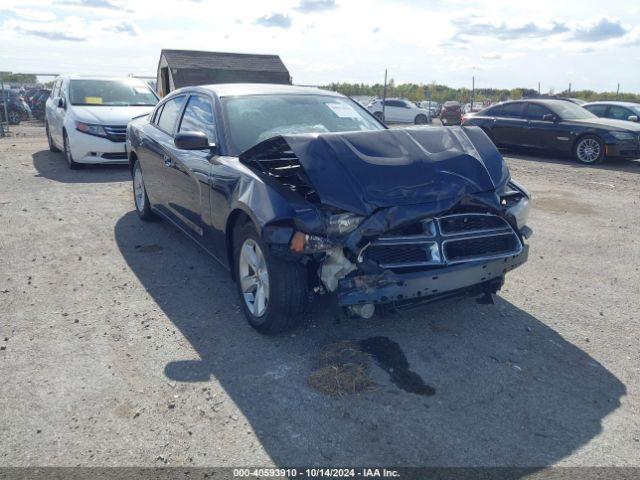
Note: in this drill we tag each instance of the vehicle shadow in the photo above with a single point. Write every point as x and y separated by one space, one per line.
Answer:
53 166
509 390
616 164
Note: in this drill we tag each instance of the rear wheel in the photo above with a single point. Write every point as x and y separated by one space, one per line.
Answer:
420 119
379 116
273 291
52 146
140 197
73 165
589 150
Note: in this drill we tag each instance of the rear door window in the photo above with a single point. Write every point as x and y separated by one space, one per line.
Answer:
169 114
513 110
598 110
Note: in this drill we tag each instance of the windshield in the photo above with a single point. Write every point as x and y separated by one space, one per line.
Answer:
254 118
111 93
570 111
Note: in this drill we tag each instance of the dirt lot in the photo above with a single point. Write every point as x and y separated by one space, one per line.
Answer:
121 343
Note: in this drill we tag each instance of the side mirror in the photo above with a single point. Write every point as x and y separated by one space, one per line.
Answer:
633 118
61 103
549 117
192 141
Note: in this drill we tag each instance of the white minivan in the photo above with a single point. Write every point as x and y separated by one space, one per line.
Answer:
86 117
399 110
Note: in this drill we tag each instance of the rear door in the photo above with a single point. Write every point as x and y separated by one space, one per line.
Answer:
544 134
510 125
187 176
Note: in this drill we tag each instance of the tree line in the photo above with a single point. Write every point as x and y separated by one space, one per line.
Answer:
442 93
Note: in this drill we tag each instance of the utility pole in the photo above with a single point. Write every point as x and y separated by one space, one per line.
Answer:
618 91
538 88
569 88
384 93
473 90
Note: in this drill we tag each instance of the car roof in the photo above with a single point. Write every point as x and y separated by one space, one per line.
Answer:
98 77
234 89
613 102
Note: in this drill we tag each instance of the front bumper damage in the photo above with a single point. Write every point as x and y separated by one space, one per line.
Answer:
395 287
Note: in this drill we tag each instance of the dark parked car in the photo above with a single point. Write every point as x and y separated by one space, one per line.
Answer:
303 192
558 126
616 110
38 103
451 113
17 109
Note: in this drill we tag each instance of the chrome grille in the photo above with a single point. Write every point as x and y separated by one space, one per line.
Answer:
117 133
445 240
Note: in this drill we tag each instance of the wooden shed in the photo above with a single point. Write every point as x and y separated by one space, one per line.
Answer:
182 68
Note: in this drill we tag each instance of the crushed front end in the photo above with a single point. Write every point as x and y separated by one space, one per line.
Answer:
407 217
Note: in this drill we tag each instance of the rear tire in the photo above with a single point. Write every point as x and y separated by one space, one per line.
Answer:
283 284
67 154
52 146
140 197
420 119
379 116
589 150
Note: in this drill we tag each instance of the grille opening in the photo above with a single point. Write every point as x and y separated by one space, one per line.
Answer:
478 247
396 254
469 223
114 156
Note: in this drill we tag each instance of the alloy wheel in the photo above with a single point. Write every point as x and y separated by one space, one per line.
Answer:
138 189
588 150
254 277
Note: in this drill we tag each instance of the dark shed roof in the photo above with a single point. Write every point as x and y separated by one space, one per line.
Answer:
193 67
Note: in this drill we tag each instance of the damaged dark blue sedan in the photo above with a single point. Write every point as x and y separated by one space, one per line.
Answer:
302 192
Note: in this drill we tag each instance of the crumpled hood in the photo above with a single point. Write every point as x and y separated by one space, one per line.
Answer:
103 115
361 172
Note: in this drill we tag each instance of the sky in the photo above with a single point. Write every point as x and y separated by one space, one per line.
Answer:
502 43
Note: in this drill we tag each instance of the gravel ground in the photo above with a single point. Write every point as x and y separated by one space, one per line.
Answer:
122 343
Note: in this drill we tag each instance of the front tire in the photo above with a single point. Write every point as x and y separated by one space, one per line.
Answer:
140 197
73 165
379 116
589 150
52 146
273 291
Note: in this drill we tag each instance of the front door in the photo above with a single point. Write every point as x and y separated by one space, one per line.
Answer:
189 171
544 132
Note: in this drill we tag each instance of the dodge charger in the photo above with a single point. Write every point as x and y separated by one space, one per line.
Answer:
302 192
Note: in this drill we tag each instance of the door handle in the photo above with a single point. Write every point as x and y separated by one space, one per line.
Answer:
167 160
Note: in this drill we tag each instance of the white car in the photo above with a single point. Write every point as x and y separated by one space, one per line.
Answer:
86 117
398 110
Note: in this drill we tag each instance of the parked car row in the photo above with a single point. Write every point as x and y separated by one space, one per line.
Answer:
562 127
302 192
17 109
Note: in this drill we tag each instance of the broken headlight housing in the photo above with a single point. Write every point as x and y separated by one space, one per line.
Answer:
517 202
342 224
